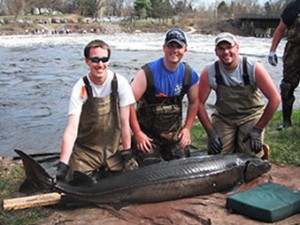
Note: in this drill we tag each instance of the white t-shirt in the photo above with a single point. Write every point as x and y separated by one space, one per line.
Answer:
126 96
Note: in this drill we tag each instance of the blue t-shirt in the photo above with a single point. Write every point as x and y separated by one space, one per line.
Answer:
170 83
291 12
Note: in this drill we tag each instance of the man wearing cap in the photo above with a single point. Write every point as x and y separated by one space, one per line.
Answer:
159 88
240 114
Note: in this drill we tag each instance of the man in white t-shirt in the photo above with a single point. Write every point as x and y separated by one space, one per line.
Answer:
97 138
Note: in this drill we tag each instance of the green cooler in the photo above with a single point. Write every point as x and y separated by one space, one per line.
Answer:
268 202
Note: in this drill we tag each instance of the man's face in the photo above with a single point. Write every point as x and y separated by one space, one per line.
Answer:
227 53
174 52
98 62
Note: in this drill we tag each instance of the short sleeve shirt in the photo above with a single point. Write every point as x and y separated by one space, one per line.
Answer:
170 83
126 96
234 77
291 12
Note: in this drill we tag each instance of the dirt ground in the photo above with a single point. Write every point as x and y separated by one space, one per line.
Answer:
204 210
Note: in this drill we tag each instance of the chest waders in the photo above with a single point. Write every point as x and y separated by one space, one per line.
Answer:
161 119
99 134
237 110
291 73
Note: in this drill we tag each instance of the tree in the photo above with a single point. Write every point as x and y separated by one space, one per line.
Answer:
141 8
223 9
91 8
2 6
15 7
239 7
115 7
275 7
160 9
182 5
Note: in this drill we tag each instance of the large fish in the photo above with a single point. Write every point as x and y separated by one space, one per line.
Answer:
158 182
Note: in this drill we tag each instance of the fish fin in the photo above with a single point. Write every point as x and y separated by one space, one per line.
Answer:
69 202
35 173
121 205
115 207
81 179
234 189
194 151
28 187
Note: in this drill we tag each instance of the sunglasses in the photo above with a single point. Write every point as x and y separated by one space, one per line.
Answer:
97 59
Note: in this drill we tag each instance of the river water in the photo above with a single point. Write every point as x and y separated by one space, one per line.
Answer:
37 73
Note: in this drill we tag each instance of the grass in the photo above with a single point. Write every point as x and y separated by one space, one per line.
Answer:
283 145
11 176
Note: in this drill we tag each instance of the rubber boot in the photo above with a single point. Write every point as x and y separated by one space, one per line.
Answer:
287 108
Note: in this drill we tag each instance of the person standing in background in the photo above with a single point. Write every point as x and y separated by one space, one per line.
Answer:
290 25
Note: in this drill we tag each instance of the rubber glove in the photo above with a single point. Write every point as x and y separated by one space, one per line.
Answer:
129 161
214 142
62 170
255 139
273 59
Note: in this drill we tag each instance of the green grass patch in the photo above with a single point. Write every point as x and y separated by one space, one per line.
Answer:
11 177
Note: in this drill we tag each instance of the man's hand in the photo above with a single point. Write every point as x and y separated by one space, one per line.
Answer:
273 59
255 139
61 171
214 142
184 137
143 142
129 161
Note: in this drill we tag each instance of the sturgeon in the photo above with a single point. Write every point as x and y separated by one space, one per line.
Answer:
180 178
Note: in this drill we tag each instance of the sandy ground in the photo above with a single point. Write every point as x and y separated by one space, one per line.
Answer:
204 210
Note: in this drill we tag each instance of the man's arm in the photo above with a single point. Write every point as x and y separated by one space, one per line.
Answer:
268 88
215 143
69 138
279 32
203 93
193 102
125 127
138 86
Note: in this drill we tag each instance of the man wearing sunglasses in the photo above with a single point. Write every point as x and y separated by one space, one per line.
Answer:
159 88
97 139
240 114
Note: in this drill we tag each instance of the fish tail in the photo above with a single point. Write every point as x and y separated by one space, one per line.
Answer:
36 175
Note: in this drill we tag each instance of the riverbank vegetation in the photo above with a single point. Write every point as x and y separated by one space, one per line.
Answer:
284 147
21 16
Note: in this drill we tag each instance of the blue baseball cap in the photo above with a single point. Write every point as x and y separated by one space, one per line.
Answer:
176 35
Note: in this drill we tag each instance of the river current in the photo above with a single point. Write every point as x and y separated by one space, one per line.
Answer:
37 73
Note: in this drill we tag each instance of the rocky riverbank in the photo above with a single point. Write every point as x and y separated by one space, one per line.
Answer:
22 29
15 28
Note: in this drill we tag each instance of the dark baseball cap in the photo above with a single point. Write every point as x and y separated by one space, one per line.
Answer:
176 35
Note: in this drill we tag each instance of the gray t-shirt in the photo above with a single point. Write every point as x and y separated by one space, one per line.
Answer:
234 77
